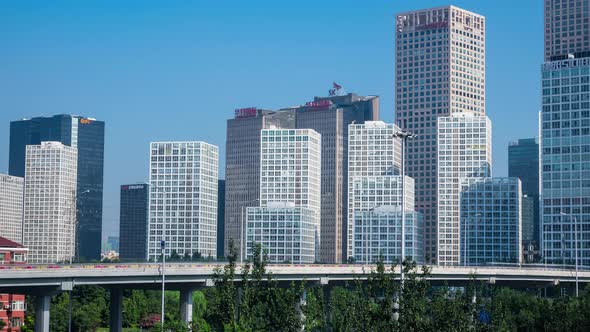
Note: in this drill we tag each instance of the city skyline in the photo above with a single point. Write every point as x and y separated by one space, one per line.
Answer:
156 108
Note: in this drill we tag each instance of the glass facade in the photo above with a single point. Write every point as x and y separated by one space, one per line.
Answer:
464 151
491 226
439 71
289 234
523 163
378 234
87 135
11 207
565 160
49 227
183 199
567 28
133 221
372 151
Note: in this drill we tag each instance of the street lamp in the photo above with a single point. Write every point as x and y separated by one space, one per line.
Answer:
242 230
404 136
576 241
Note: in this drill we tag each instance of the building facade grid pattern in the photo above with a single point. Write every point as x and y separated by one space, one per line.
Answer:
372 151
464 151
439 70
50 202
183 199
11 207
491 221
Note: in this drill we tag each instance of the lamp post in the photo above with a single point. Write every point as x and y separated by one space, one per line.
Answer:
576 244
242 240
404 136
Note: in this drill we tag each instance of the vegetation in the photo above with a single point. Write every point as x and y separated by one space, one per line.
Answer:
379 303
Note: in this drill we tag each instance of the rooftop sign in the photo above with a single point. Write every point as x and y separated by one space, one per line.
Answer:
245 112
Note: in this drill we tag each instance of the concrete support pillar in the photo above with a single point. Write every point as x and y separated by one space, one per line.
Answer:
116 310
186 304
42 305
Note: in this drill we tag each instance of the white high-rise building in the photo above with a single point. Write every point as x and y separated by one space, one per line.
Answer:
183 199
491 221
372 151
464 151
50 202
290 196
11 207
377 219
439 70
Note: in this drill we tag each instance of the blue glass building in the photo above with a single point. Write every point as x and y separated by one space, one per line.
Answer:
87 135
133 222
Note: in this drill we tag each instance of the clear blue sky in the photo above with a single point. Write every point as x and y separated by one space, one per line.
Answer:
175 70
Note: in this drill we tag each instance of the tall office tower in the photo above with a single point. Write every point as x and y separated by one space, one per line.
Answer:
565 160
11 207
49 228
523 163
491 224
85 134
464 152
183 199
376 206
242 164
220 217
133 222
439 71
372 151
330 117
290 190
567 30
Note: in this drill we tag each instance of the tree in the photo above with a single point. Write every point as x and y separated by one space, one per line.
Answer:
135 307
221 310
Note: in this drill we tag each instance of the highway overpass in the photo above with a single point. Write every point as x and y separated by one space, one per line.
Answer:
43 281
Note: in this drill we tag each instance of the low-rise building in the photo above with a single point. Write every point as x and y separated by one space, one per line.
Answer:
12 306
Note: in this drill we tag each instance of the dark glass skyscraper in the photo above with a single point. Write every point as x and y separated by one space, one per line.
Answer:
133 220
220 216
87 135
523 163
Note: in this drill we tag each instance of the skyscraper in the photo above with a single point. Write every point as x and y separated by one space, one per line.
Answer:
439 71
11 207
464 154
242 164
523 163
330 117
567 28
183 199
133 222
87 136
372 151
565 160
220 217
49 229
491 223
290 188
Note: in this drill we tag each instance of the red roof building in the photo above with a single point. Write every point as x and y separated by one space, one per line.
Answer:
12 306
